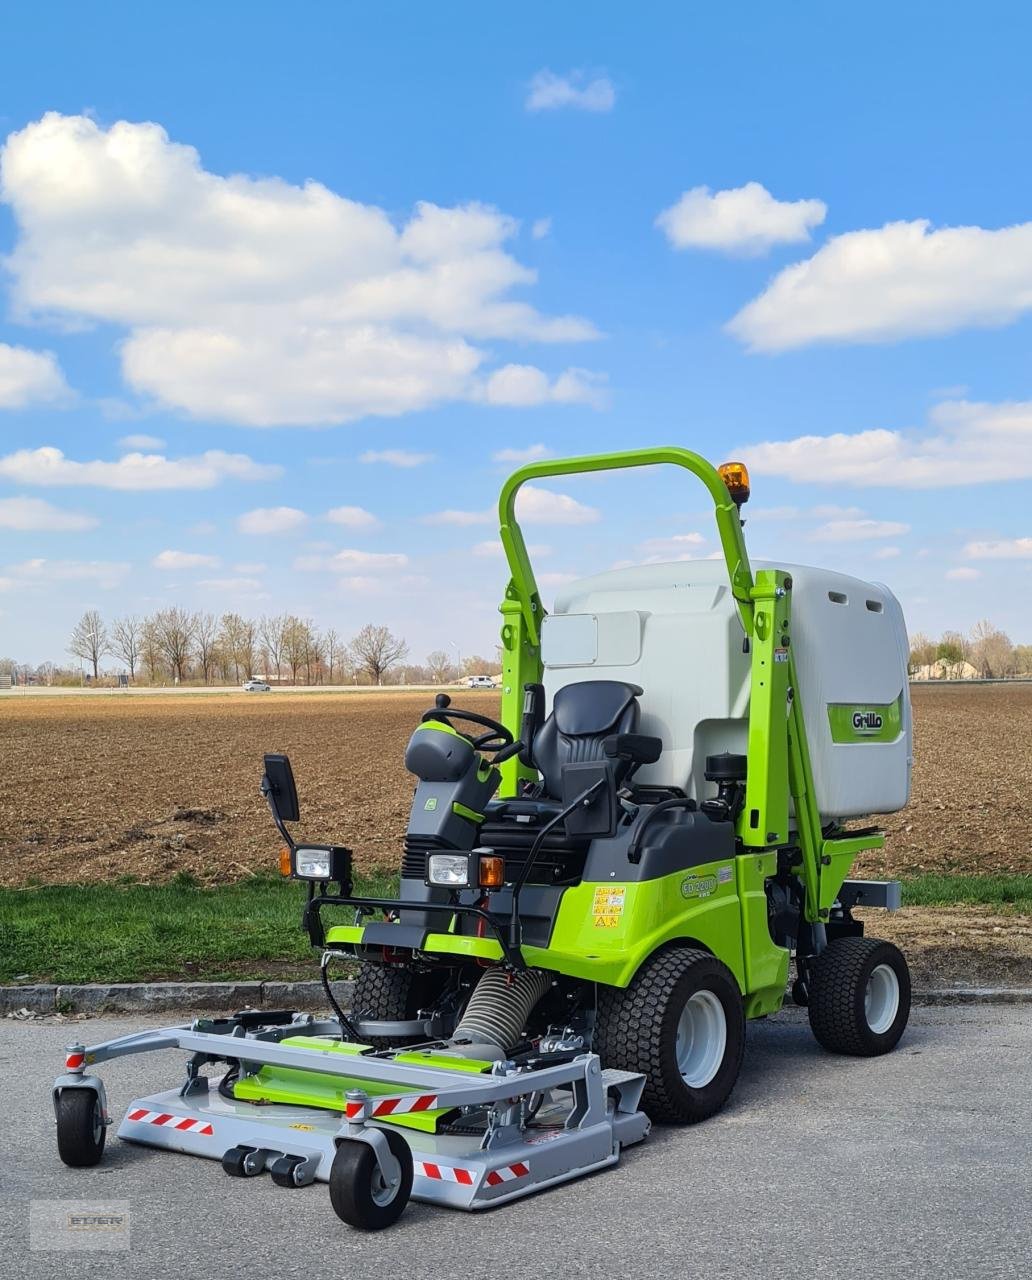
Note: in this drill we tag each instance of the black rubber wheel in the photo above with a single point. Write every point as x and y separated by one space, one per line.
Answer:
357 1190
80 1128
859 996
282 1171
682 1024
393 993
237 1165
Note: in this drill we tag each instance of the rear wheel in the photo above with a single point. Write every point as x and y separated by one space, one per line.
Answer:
859 996
359 1193
394 993
80 1127
681 1023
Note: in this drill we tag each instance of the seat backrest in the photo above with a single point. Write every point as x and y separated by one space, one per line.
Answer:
583 715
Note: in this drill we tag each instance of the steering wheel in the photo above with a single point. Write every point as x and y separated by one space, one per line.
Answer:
497 739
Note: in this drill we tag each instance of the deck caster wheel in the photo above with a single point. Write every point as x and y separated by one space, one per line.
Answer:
287 1171
859 996
800 993
358 1192
240 1162
80 1128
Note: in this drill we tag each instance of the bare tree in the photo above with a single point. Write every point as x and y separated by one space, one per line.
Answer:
127 641
991 650
922 651
292 640
90 640
206 632
476 665
439 664
332 648
174 634
377 650
272 632
229 642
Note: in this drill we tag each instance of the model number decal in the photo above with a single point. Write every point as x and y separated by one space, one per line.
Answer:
698 886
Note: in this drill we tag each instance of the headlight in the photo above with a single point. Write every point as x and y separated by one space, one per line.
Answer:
322 862
451 869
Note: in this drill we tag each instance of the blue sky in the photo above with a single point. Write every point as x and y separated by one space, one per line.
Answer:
261 245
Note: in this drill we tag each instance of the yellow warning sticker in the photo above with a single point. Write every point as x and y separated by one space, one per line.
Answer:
607 905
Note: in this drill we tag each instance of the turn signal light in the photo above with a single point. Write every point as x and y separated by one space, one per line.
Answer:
284 861
735 476
492 871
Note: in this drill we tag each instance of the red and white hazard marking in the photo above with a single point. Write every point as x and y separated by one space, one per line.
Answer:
185 1124
444 1172
75 1061
379 1107
508 1173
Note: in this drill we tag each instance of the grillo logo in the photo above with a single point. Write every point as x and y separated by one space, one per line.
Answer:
867 721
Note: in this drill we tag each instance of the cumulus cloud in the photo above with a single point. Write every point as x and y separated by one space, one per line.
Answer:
231 585
858 530
1001 549
532 453
962 573
271 520
353 518
524 386
49 466
540 228
106 574
903 280
257 301
964 443
677 543
349 561
396 457
550 92
175 560
745 220
493 550
533 506
35 515
29 377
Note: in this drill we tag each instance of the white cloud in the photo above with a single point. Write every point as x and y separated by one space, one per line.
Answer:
677 542
143 442
493 550
903 280
271 520
29 377
106 574
243 584
858 530
964 443
133 471
533 506
257 301
396 457
1001 549
349 560
550 92
540 228
523 386
887 553
746 220
353 518
555 579
35 515
176 560
962 574
532 453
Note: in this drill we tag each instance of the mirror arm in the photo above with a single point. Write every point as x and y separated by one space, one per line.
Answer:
270 800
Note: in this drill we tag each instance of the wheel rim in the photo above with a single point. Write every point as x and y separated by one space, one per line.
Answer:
98 1123
380 1191
701 1039
881 999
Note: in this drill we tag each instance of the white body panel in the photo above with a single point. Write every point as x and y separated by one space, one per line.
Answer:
674 630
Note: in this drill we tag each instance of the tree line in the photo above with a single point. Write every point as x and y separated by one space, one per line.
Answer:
177 646
987 649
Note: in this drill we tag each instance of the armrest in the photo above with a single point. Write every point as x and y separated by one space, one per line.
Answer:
638 748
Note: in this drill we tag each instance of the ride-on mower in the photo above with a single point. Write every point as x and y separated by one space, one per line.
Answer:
597 891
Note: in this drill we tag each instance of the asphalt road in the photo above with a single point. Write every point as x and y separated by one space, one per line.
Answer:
918 1164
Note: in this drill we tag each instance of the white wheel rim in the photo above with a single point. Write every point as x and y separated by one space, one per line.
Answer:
701 1039
380 1191
98 1123
881 999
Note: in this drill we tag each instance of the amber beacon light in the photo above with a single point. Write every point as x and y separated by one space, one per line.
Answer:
735 476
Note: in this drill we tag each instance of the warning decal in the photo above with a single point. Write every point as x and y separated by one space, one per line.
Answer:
607 905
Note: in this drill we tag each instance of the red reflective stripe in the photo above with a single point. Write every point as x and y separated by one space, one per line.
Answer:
74 1060
138 1114
386 1107
352 1109
464 1176
185 1124
207 1130
162 1118
520 1169
425 1103
493 1179
431 1171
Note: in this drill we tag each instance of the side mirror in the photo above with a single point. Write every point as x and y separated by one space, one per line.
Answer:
279 789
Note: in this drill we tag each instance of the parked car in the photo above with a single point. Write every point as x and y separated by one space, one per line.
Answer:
256 686
480 682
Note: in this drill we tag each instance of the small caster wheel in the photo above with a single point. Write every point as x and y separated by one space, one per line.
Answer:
286 1171
239 1162
358 1192
80 1128
800 993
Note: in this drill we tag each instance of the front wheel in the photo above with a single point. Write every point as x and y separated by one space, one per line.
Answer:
80 1128
859 996
360 1195
681 1023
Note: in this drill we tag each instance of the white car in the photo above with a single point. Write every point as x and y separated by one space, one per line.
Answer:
257 686
479 682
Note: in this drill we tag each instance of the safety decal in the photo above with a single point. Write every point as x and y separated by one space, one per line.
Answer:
394 1106
75 1061
185 1124
509 1173
443 1172
698 886
724 875
780 655
607 905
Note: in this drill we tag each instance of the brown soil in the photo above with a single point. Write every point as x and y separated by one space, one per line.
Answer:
959 946
94 788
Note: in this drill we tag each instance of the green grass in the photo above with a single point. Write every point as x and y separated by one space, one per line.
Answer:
129 932
134 933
